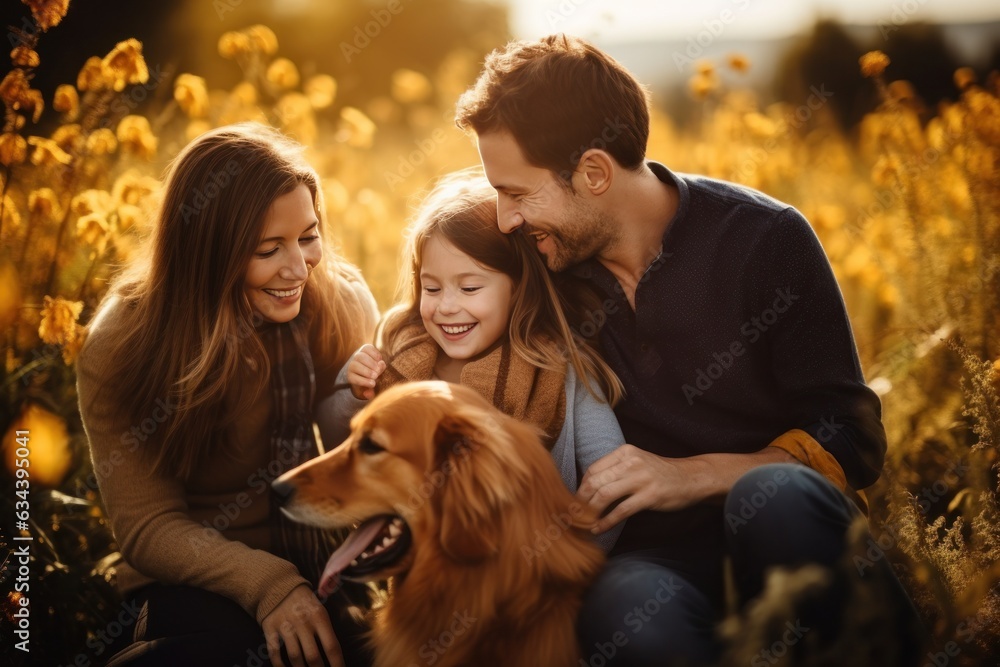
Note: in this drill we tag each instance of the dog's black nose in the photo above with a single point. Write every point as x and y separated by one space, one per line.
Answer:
283 491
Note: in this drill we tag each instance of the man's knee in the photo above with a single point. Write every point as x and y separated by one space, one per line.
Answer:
636 613
783 496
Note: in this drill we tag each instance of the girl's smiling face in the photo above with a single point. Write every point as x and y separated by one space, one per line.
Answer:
465 307
289 249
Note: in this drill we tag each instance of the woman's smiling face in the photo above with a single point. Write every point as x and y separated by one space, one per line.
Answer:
464 306
288 250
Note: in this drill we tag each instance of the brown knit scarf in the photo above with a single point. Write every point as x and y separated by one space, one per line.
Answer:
517 388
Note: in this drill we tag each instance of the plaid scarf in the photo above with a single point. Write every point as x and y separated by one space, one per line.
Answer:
293 442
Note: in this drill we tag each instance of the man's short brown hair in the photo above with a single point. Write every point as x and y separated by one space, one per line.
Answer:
559 97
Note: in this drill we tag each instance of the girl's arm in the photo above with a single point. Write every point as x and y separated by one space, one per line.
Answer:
148 513
595 434
333 414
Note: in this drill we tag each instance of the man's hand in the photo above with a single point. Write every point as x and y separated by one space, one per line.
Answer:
645 481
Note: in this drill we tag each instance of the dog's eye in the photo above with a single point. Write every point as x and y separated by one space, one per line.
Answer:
369 446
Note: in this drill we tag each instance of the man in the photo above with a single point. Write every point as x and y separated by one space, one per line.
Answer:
719 311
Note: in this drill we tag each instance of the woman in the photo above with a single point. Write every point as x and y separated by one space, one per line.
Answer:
197 387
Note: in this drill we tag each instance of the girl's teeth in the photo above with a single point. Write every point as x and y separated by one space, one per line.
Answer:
457 330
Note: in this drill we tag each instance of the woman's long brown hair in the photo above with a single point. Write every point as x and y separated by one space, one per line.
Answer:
187 330
462 209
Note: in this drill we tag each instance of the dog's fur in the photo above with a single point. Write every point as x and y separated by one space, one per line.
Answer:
500 553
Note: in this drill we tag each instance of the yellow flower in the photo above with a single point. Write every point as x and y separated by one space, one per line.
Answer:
760 125
13 149
92 201
101 142
47 153
191 95
66 100
49 444
296 116
964 77
262 39
356 129
244 93
11 216
321 90
13 87
701 85
44 204
32 100
68 137
129 216
902 91
234 44
58 320
738 62
22 56
92 229
409 86
94 75
47 13
126 64
873 63
136 137
133 187
704 67
283 73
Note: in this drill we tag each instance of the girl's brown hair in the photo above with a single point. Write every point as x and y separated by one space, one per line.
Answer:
462 210
187 329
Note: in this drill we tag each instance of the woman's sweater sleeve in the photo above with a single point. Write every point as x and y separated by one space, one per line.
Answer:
148 512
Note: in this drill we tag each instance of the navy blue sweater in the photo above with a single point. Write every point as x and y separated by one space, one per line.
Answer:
739 334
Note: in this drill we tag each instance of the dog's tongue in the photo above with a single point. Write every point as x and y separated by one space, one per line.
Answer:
352 547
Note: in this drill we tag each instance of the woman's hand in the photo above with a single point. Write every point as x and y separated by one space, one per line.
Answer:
363 369
298 620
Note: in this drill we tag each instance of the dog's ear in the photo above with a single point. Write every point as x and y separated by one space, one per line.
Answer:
475 488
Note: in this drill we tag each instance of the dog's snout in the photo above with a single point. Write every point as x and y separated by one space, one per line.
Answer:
283 491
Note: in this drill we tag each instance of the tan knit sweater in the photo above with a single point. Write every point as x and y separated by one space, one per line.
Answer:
212 531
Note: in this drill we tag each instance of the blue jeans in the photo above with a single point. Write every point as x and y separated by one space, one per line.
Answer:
652 608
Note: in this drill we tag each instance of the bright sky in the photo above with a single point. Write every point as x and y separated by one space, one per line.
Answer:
628 20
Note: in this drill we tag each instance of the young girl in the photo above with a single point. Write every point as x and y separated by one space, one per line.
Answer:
197 387
480 309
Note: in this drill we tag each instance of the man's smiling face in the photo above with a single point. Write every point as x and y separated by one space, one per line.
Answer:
566 227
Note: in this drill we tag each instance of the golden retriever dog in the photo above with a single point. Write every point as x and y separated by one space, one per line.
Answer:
461 508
